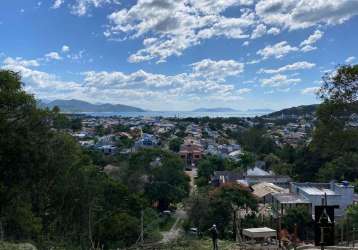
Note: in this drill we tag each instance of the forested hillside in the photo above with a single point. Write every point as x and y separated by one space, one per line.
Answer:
52 193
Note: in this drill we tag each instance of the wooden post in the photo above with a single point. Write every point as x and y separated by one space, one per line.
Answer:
141 227
1 232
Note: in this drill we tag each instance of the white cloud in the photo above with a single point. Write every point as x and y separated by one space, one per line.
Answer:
298 14
307 45
217 6
65 49
308 48
208 68
39 82
310 90
274 31
206 80
312 39
350 59
53 56
289 67
57 4
259 31
279 81
81 7
76 56
174 26
246 43
21 62
255 61
278 50
140 87
244 90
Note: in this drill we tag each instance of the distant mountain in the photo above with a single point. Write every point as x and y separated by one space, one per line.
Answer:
260 110
298 111
215 110
82 106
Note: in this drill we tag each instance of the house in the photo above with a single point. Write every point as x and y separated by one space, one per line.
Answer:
313 194
223 177
257 175
283 201
264 191
108 149
106 140
191 151
252 177
337 194
147 140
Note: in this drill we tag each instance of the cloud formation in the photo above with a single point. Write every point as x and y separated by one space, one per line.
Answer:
173 26
300 14
278 50
307 45
279 81
206 80
310 90
289 67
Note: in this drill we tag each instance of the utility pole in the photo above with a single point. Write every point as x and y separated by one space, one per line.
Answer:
141 227
354 238
1 232
279 230
295 236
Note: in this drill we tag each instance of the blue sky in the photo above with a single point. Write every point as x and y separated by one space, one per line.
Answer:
178 54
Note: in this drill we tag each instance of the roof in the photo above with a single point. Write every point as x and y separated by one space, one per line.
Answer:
260 232
289 198
262 189
317 191
256 172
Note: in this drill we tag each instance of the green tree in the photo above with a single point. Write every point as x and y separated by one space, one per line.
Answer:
50 192
174 144
334 140
158 175
218 207
210 164
299 216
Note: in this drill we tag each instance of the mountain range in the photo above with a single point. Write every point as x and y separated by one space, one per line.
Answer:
73 105
232 110
215 110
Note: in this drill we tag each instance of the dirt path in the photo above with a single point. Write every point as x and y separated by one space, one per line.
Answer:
176 230
192 174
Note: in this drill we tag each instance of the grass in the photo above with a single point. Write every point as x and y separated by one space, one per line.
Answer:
13 246
166 223
196 244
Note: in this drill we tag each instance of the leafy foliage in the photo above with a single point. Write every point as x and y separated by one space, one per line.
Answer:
50 192
217 207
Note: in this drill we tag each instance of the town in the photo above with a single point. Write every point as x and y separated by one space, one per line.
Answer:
203 143
178 125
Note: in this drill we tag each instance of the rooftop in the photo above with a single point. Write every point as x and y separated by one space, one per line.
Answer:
289 198
318 191
264 188
260 232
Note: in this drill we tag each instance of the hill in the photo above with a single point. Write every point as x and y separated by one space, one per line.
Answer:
82 106
295 111
260 110
215 110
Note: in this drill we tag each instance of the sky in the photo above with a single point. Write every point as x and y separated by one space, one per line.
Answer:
178 54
